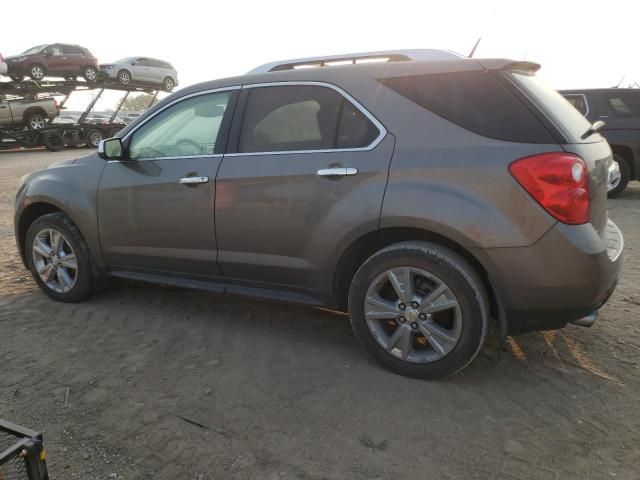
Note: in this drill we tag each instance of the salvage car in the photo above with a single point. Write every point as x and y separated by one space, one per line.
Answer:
423 192
619 108
141 71
23 112
54 60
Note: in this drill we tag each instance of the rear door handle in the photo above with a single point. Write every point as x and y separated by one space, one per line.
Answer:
337 172
193 180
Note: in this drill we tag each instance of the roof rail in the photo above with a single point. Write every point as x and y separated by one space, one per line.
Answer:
423 54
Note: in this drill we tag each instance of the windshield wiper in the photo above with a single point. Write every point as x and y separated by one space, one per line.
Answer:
593 129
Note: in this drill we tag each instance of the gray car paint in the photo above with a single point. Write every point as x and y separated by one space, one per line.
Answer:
281 231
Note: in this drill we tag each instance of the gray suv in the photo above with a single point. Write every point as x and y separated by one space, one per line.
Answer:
422 192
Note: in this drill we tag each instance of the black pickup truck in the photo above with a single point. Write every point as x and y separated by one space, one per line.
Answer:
619 108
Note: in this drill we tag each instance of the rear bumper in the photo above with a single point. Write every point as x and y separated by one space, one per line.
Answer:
569 273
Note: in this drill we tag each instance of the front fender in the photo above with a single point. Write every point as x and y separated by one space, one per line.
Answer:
71 188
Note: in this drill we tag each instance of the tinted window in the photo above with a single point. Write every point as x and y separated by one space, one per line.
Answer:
473 100
624 104
563 115
578 102
302 117
142 62
72 50
54 50
187 128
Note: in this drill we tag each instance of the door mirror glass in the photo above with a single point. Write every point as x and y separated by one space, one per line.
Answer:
111 149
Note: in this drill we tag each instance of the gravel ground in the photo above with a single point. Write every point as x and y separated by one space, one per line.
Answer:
167 383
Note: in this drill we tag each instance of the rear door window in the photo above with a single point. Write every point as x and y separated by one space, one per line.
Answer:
302 118
473 100
72 50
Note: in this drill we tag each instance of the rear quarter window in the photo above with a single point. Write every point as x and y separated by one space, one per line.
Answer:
476 101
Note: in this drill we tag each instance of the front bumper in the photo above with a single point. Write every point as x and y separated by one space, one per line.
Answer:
567 274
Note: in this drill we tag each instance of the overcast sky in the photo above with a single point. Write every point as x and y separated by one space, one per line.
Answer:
578 43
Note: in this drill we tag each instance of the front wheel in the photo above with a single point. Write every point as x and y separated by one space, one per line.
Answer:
124 77
168 84
419 309
58 258
52 141
617 184
36 72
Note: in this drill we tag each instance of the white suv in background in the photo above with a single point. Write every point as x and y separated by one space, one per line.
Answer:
142 70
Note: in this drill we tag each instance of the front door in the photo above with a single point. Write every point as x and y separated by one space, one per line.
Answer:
155 210
57 62
309 171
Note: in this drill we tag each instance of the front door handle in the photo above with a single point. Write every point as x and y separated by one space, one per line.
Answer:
193 180
337 172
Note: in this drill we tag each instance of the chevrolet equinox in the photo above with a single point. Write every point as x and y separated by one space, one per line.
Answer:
422 192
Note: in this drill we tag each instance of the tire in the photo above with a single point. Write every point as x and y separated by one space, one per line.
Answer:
460 312
90 74
81 281
52 141
37 72
16 78
615 189
168 84
124 77
114 131
36 120
93 137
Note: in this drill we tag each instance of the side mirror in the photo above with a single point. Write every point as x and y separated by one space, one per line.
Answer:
134 63
111 149
47 53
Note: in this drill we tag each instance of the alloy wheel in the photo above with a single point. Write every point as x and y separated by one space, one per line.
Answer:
413 314
124 78
54 260
37 72
614 180
95 138
90 74
36 122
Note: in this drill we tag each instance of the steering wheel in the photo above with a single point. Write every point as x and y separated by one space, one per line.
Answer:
189 147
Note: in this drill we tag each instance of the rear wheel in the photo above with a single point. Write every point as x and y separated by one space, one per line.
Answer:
618 183
36 71
90 74
419 309
94 137
16 78
58 258
35 120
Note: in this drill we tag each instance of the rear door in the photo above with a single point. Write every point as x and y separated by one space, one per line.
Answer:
308 167
155 210
141 70
5 112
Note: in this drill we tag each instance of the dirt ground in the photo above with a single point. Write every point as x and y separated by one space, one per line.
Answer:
173 384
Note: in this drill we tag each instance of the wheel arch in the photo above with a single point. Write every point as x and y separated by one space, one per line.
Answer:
29 215
626 153
366 245
32 110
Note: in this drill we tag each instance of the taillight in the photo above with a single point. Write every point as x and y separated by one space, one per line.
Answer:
558 182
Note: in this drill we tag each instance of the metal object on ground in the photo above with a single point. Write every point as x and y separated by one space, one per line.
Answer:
22 455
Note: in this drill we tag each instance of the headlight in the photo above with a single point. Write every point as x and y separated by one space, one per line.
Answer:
107 67
18 59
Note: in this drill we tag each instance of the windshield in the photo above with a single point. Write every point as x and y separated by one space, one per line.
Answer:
563 115
125 60
33 50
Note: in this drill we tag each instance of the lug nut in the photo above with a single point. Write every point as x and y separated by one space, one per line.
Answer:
414 304
422 316
414 325
402 306
402 319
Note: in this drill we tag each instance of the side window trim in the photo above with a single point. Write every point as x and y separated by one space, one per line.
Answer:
224 127
234 137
